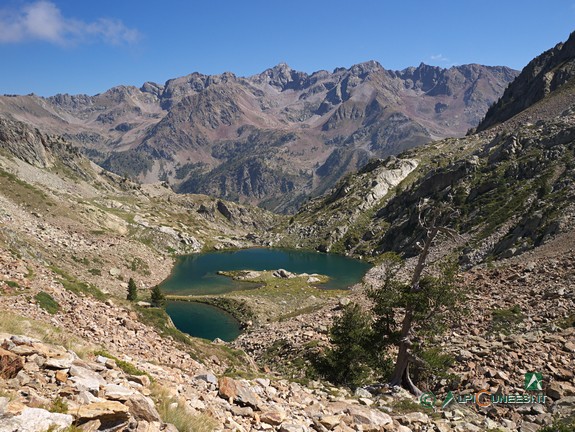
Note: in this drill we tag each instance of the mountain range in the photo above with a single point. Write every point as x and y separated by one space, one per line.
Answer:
271 139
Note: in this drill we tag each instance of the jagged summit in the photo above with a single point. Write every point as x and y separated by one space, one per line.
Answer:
282 76
272 138
545 74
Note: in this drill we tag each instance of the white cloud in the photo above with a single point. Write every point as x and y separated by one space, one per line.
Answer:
440 58
42 20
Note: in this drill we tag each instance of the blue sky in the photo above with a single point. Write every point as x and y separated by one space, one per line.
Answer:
88 46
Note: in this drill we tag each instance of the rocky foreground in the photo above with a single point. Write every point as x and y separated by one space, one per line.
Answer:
47 387
89 372
117 373
519 318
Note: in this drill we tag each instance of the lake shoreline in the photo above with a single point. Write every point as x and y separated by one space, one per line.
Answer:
256 286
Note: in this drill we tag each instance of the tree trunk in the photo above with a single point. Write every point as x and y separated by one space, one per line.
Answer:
401 375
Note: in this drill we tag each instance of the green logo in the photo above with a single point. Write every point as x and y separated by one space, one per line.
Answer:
533 381
427 400
448 399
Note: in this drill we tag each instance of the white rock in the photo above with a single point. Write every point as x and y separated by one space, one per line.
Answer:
363 393
86 397
365 401
344 301
197 404
117 392
86 379
264 382
114 271
36 420
102 359
61 362
293 427
3 403
369 419
207 377
168 230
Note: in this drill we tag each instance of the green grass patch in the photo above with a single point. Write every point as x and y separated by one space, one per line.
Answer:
276 287
83 260
561 425
127 367
23 193
71 428
30 274
58 405
72 284
47 302
506 320
12 284
567 322
406 405
138 265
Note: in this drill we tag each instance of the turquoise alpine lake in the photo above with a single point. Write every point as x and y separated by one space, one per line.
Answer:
197 275
202 320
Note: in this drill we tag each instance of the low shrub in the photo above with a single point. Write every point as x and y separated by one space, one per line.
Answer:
47 302
505 320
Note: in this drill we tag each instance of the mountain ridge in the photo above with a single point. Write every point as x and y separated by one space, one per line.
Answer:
542 76
202 132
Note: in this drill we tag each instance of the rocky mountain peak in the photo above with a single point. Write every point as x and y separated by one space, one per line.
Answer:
423 77
120 93
153 88
223 78
282 76
66 100
542 76
178 88
363 69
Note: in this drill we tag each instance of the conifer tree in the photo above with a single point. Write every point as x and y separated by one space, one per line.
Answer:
132 290
158 299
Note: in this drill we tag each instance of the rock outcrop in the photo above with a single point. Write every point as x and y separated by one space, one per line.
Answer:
544 75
